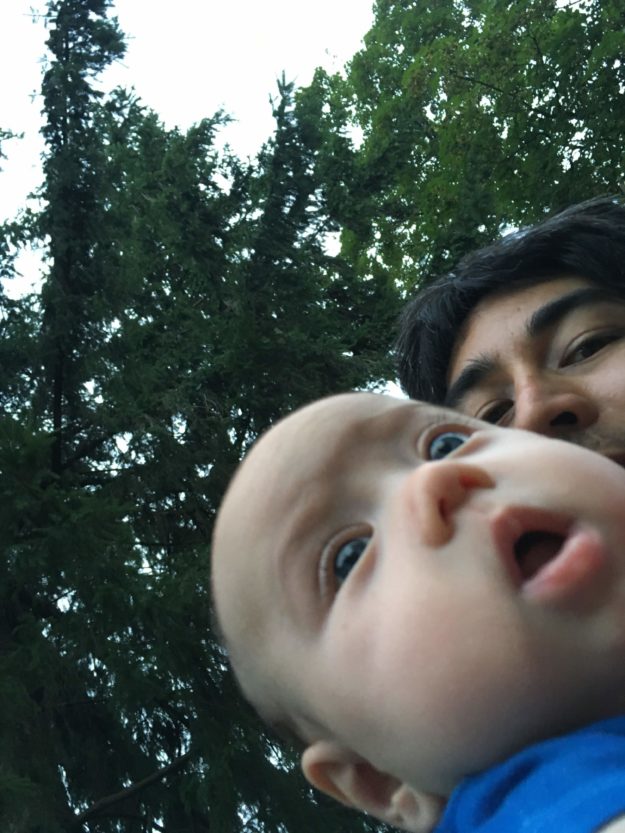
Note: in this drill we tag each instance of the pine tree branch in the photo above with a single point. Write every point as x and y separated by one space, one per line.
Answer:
133 789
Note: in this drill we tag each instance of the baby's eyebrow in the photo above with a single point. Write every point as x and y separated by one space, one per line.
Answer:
298 556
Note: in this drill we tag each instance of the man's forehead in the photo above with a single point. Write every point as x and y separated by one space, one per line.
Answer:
523 299
518 314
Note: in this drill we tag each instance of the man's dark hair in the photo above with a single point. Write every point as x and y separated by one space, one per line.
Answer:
585 240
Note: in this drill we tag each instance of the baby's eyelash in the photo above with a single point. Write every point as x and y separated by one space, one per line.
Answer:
444 423
329 581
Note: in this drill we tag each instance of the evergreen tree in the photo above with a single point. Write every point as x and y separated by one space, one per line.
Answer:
188 301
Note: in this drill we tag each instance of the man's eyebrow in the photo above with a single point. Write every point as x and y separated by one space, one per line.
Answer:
476 371
472 376
554 311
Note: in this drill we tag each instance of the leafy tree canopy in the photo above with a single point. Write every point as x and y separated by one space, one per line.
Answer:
472 116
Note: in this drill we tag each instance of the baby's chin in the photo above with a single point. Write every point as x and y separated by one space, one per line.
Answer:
495 748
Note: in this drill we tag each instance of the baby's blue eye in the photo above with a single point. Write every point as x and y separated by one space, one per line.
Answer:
445 443
347 555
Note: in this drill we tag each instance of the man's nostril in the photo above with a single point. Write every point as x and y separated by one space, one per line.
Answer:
564 418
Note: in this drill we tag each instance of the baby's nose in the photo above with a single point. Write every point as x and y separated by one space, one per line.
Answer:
436 490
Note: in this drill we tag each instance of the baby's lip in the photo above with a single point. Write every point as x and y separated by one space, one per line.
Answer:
546 554
512 526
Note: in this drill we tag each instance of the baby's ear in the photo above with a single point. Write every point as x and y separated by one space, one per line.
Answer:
350 779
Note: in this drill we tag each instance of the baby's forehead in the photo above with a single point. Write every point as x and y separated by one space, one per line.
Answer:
311 447
336 418
318 439
308 447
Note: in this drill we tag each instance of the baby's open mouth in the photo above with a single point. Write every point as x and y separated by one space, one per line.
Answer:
534 550
529 539
547 555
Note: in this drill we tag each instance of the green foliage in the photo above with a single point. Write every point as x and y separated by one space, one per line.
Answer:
474 116
188 301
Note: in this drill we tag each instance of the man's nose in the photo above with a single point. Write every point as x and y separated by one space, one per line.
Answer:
553 408
435 491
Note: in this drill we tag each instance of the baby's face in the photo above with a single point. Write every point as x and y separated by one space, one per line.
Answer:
431 592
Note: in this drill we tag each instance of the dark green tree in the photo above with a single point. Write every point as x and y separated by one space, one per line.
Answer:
188 301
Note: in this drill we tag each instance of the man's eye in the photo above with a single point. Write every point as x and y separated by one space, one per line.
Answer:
589 346
443 444
495 412
347 556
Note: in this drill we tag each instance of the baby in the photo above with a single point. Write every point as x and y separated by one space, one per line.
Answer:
417 596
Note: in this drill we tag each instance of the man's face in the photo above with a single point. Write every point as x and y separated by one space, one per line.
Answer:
549 358
428 591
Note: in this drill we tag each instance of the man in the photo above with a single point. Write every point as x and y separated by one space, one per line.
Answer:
530 331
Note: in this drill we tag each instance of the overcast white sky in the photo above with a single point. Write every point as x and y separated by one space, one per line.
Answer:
185 59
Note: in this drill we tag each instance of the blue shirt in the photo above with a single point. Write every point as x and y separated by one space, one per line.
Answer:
570 784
